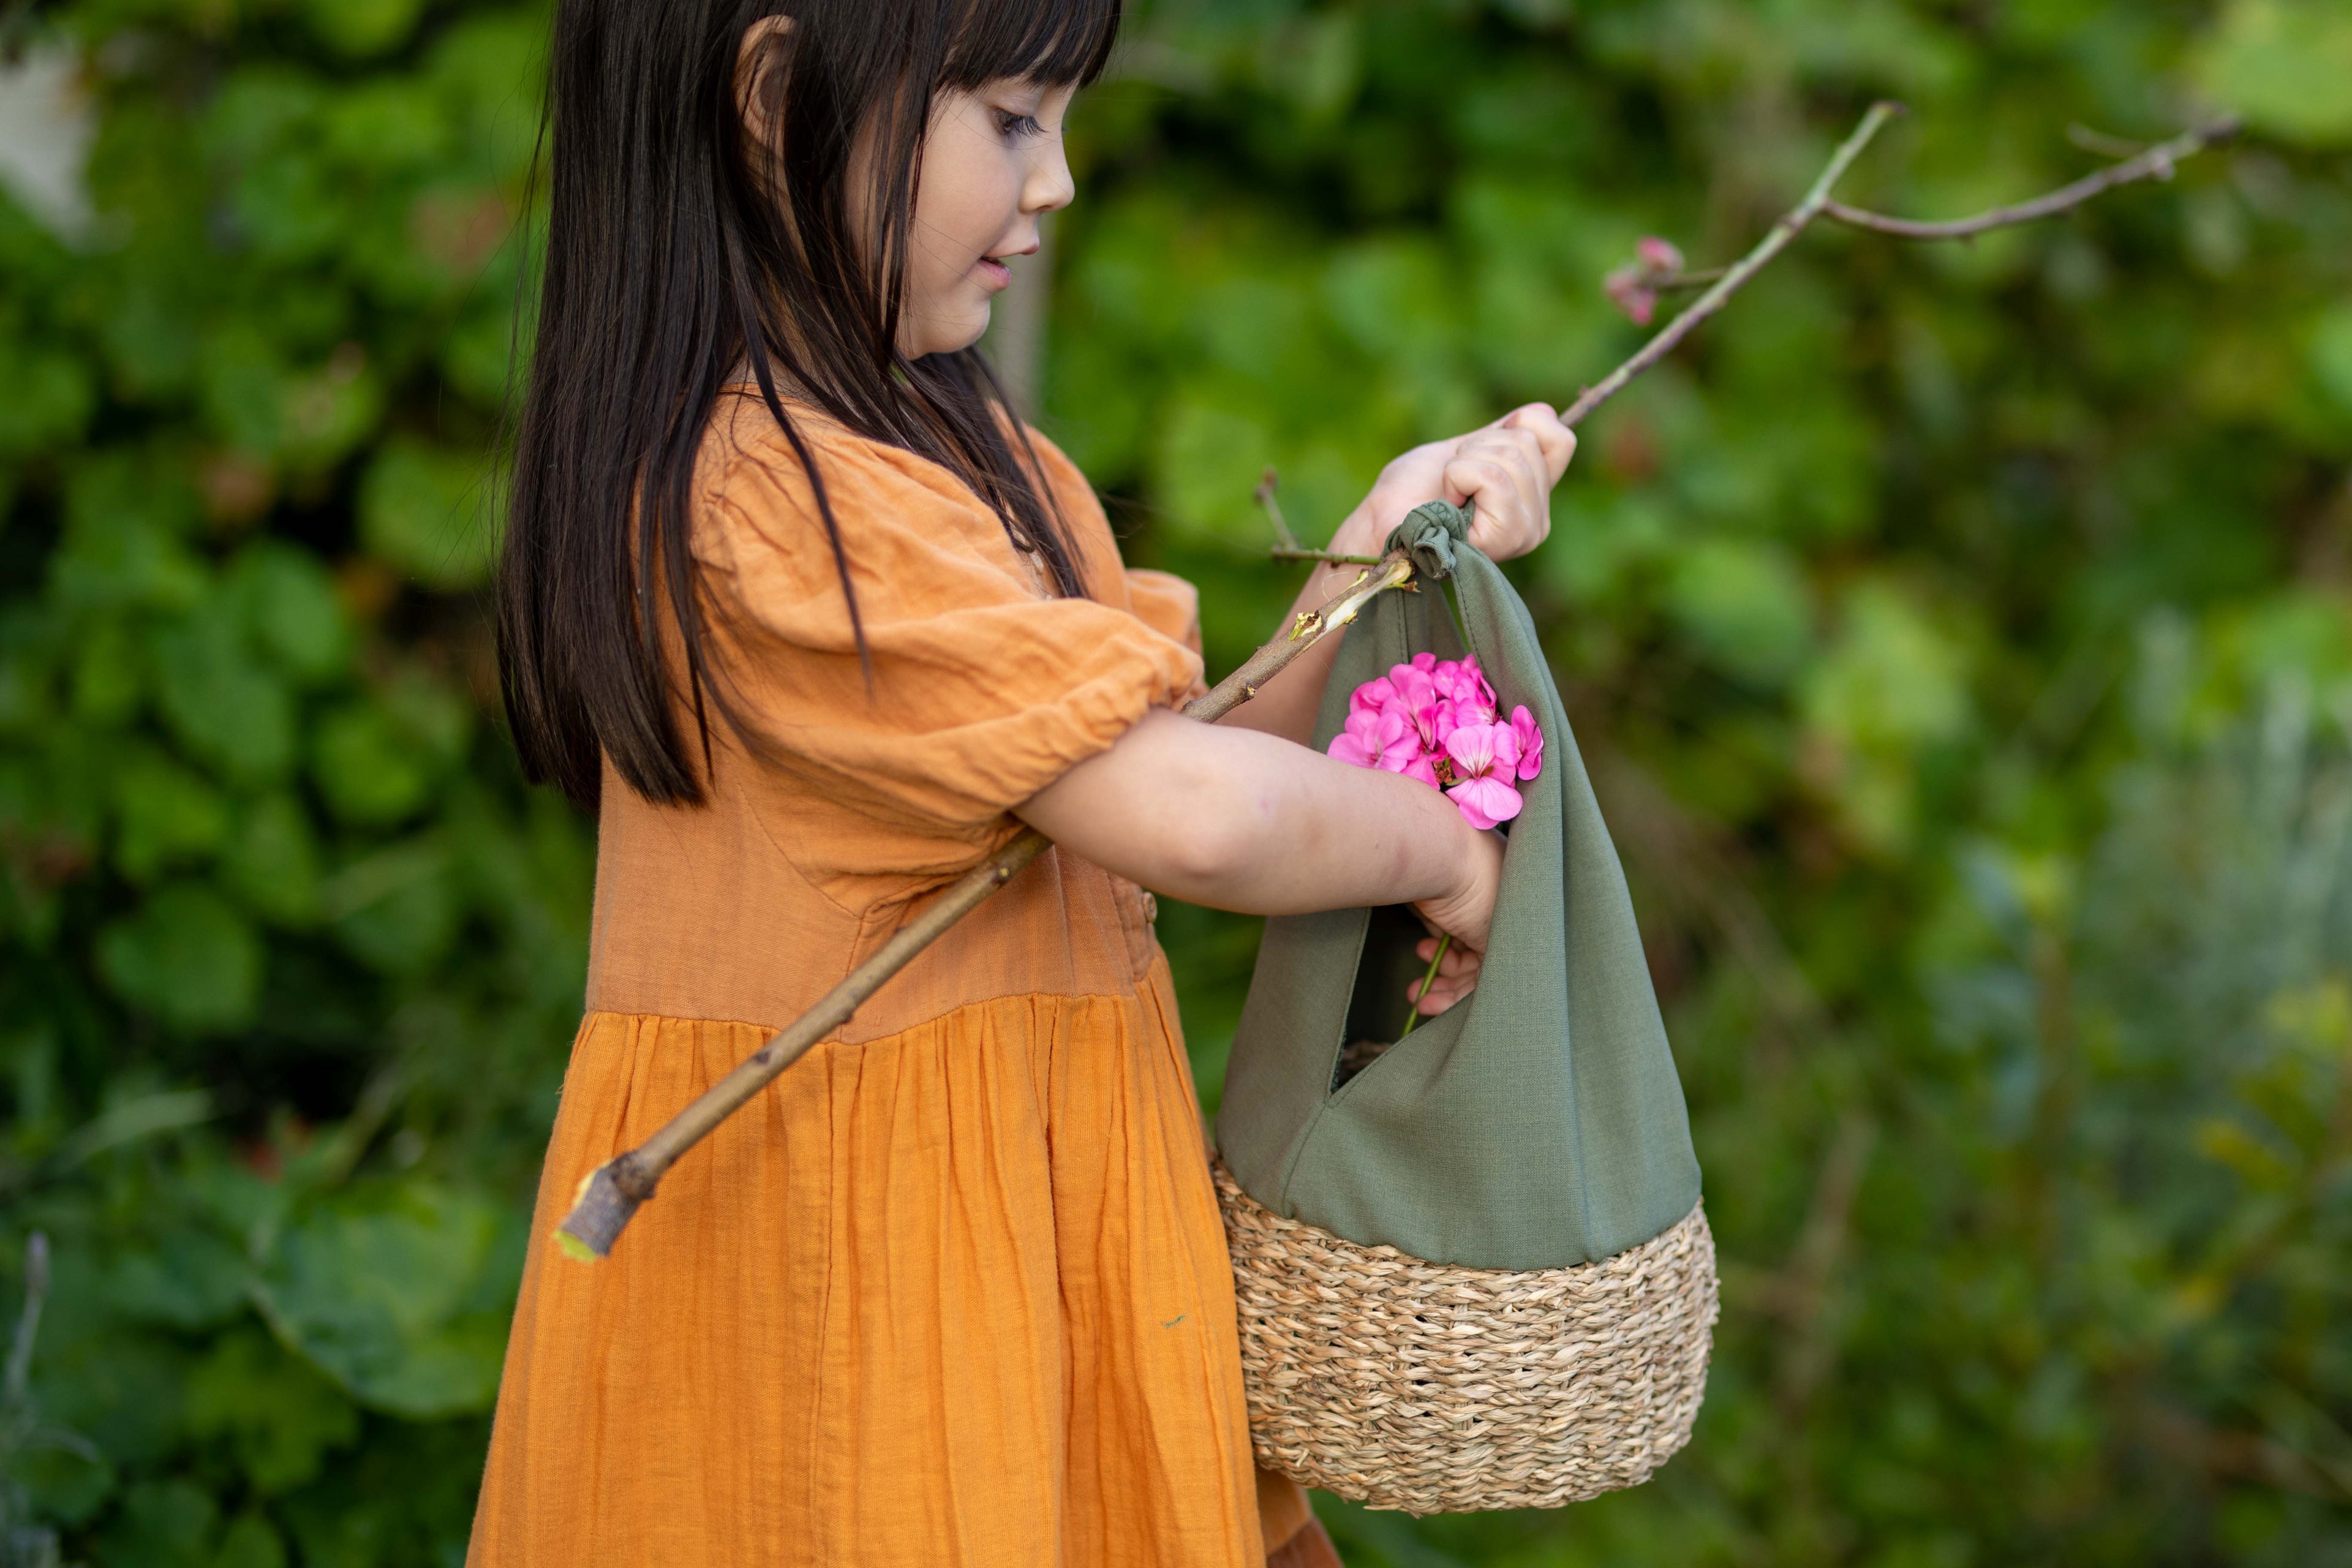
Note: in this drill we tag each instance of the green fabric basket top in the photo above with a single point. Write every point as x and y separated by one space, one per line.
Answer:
1537 1124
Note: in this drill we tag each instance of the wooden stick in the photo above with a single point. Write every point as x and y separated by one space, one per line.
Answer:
615 1190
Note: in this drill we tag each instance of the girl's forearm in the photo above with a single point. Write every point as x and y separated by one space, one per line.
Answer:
1249 822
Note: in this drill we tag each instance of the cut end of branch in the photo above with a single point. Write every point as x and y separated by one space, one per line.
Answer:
600 1212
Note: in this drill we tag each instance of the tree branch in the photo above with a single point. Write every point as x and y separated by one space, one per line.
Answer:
1792 224
612 1192
1264 496
2155 164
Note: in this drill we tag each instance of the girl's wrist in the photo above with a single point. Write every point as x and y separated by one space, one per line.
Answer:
1355 536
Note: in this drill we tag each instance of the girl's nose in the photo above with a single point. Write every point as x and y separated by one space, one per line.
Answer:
1049 188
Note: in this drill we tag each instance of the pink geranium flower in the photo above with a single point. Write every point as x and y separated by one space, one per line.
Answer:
1463 684
1414 697
1485 758
1372 696
1377 739
1530 736
1434 719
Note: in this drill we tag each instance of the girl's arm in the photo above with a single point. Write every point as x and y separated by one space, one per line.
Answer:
1509 469
1237 820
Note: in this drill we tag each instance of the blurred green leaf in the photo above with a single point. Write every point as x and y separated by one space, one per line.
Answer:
273 1412
250 1542
427 512
1746 604
397 909
358 27
2331 355
290 603
273 862
398 1293
169 815
2283 64
223 702
368 771
190 1280
164 1524
188 957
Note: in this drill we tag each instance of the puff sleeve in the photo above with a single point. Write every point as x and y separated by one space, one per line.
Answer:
984 688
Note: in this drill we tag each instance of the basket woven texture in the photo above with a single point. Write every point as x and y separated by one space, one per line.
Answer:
1438 1389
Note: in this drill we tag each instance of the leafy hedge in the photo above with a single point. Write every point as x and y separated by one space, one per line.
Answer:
1959 636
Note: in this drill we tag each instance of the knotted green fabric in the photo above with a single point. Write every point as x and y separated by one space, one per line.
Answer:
1537 1124
1429 533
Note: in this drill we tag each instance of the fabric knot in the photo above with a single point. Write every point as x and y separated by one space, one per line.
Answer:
1429 533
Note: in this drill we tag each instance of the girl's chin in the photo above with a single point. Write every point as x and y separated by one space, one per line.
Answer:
945 332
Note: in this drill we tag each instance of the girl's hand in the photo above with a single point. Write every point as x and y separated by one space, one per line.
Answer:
1466 914
1457 976
1507 468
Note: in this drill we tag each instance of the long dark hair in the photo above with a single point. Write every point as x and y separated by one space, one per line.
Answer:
667 267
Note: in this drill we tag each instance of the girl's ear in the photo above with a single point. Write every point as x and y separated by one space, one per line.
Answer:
759 67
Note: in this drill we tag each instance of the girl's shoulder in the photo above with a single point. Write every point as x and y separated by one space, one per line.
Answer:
750 474
744 448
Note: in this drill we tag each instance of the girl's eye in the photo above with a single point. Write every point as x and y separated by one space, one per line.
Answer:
1020 127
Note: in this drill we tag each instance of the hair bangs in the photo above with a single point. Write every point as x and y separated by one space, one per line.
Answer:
1054 43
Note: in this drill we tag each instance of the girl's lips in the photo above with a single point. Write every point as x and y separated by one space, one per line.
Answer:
993 272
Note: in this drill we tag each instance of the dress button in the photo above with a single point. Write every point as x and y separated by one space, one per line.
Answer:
1151 908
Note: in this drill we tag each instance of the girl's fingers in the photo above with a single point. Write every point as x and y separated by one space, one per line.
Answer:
1457 976
1442 995
1557 441
1513 507
1457 957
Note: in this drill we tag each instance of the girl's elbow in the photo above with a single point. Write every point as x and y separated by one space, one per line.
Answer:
1209 853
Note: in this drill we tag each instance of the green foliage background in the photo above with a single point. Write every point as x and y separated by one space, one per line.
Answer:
1961 638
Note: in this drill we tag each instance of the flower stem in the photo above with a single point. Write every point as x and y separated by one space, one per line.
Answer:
1428 978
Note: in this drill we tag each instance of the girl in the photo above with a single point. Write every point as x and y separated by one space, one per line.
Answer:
817 624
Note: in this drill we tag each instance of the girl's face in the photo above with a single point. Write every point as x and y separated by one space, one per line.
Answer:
993 165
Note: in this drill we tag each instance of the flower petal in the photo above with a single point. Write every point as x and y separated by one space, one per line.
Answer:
1483 802
1472 747
1530 738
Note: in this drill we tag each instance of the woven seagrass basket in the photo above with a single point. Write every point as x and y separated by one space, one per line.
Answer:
1438 1389
1470 1259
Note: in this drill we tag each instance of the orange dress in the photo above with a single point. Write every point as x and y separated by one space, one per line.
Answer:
953 1291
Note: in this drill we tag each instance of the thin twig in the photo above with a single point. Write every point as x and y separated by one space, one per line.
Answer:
1790 225
2091 140
2155 164
1300 552
613 1190
1283 538
1697 277
29 1320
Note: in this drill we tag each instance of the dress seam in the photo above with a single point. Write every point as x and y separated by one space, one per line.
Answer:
918 1023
